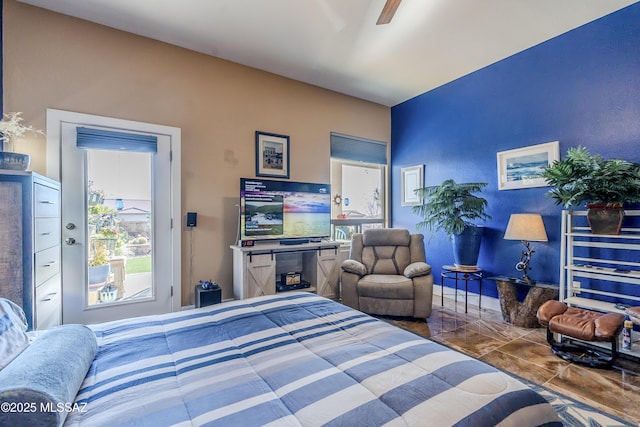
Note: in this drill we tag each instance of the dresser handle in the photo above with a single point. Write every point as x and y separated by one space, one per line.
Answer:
49 264
49 297
48 202
46 233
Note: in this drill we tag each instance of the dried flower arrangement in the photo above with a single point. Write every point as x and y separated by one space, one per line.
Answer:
12 126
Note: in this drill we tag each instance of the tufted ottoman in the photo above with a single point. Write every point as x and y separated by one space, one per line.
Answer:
582 324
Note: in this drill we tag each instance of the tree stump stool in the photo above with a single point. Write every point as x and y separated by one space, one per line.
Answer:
581 324
523 313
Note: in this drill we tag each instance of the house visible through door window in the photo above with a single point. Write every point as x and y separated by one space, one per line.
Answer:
358 177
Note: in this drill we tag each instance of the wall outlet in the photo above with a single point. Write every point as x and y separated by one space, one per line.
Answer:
576 287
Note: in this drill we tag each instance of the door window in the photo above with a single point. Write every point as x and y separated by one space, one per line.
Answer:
119 227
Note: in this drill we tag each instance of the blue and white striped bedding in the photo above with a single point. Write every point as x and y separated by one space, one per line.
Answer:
289 360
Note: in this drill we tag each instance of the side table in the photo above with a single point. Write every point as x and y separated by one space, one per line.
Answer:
523 313
461 273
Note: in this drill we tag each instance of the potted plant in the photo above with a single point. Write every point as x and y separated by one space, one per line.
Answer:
99 265
12 128
452 208
604 185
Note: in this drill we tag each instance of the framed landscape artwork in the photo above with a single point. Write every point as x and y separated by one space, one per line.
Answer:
272 155
523 167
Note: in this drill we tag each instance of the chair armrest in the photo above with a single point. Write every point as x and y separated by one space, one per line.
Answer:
355 267
417 269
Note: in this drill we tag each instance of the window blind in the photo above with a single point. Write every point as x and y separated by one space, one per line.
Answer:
101 139
358 149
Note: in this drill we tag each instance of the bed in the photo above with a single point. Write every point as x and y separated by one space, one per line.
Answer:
290 359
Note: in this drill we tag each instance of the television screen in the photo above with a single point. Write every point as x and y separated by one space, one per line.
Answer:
284 209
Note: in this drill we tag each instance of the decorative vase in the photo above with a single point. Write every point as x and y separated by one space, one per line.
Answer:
98 274
605 219
466 247
14 161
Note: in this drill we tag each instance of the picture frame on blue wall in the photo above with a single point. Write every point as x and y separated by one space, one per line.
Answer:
272 155
412 178
523 167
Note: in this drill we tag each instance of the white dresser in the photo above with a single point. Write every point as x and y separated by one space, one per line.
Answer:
30 245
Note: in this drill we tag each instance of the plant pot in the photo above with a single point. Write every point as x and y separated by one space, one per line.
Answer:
604 219
14 161
466 247
98 274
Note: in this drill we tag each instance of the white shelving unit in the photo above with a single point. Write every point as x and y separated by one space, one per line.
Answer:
595 268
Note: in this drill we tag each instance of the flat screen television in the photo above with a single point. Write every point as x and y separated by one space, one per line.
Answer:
271 209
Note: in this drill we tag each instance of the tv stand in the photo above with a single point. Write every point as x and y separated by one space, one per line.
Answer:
293 241
257 270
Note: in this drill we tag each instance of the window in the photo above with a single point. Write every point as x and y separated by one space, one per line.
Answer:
358 183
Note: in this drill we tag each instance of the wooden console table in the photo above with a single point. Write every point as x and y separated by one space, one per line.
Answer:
523 313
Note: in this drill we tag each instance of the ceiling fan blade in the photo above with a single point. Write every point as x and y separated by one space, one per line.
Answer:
388 11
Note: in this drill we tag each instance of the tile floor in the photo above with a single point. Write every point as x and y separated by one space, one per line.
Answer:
525 352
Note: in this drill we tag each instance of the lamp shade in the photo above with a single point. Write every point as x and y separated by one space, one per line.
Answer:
526 226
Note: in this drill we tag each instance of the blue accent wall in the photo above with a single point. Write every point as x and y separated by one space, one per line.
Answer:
580 88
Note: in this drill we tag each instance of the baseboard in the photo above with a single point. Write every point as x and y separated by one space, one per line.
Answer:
489 303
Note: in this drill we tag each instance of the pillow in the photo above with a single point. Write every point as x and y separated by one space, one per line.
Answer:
417 269
355 267
47 375
13 331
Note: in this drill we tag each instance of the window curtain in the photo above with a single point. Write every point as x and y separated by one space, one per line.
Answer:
101 139
358 149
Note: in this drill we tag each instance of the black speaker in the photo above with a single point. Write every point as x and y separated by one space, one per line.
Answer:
192 219
206 297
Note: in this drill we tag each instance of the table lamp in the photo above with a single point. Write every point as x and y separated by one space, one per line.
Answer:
526 227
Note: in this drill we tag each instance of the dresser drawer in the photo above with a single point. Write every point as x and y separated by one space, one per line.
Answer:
47 264
46 201
46 233
48 303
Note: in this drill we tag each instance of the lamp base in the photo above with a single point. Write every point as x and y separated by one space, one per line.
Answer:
528 280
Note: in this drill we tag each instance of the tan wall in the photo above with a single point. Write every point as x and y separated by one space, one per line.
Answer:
55 61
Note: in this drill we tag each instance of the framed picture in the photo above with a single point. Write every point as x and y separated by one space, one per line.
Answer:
272 155
523 167
412 178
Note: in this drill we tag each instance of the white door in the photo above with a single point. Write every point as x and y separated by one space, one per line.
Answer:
121 255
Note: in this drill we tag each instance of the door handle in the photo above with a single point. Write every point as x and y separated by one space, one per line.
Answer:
70 241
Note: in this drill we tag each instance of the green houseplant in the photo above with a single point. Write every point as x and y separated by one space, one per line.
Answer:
452 207
604 185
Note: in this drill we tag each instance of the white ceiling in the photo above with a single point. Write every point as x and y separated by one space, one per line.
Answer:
335 44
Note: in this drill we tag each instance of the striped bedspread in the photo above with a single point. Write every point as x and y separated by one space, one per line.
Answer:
289 360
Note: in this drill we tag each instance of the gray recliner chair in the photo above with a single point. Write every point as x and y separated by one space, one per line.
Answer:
386 274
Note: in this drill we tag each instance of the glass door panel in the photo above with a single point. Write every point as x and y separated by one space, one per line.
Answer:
119 227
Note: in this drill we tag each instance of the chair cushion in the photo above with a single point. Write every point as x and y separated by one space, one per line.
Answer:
586 324
386 259
386 237
389 286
